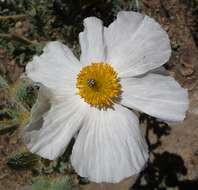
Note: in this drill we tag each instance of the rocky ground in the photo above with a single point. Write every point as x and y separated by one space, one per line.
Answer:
173 161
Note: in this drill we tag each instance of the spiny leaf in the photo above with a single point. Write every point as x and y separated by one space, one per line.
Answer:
24 160
25 92
62 184
3 83
46 183
11 118
6 129
8 121
41 184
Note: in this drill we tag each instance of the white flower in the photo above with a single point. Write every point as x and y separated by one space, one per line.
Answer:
91 97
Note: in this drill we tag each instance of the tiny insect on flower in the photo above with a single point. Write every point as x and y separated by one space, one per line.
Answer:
89 98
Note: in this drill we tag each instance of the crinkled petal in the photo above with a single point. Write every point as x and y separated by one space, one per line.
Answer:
110 146
157 95
160 70
136 44
92 41
56 68
42 105
52 125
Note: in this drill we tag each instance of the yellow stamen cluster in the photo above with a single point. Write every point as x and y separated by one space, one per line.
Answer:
98 85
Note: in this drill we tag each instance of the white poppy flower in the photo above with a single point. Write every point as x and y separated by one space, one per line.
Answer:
90 98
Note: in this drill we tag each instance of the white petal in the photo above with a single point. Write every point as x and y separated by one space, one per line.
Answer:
110 146
136 44
92 41
157 95
56 68
160 70
49 133
42 105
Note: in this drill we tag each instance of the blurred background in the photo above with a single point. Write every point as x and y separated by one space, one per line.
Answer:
25 27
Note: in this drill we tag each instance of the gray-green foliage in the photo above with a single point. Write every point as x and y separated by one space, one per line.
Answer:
25 92
62 184
23 160
41 184
16 101
46 183
3 83
53 20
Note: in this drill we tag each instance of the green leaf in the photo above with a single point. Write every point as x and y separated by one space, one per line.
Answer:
41 184
24 160
62 184
3 82
46 183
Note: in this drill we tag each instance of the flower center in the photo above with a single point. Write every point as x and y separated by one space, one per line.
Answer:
98 84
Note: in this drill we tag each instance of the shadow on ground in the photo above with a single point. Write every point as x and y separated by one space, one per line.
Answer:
165 170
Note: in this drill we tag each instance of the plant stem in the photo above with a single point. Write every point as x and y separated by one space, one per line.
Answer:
17 37
12 17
